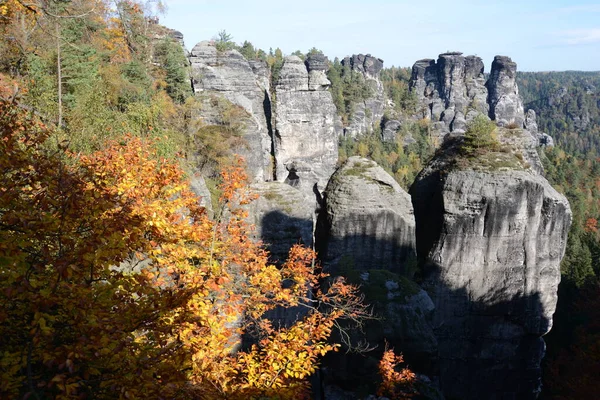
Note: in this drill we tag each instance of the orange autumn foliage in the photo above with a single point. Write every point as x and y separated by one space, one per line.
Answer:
115 283
397 381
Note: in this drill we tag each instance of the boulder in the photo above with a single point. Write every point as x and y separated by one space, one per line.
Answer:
367 221
282 217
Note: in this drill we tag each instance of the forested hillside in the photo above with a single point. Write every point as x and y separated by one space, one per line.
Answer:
568 108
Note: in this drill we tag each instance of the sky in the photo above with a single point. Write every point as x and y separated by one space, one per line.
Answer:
539 35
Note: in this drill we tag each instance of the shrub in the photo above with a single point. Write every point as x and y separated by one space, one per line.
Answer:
480 136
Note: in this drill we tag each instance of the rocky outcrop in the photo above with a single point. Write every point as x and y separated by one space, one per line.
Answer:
282 216
307 127
453 90
531 125
367 113
246 85
450 92
368 220
506 107
490 243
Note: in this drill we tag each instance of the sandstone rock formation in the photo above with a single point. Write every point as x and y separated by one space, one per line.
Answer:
368 220
453 90
245 84
506 107
307 127
490 242
368 113
531 125
282 216
450 92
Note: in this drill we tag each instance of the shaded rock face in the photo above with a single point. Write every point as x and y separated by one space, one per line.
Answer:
490 244
283 217
505 103
367 221
390 128
245 84
367 113
307 128
450 92
453 90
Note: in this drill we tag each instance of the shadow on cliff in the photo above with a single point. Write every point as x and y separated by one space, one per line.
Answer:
280 231
475 349
488 347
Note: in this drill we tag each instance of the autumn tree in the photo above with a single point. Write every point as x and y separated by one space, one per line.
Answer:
115 283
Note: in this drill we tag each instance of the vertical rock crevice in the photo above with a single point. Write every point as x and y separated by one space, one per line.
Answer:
453 90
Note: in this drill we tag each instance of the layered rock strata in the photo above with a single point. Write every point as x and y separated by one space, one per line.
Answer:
246 85
490 242
367 113
306 126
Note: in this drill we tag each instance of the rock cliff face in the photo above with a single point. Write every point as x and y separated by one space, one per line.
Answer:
531 125
453 90
307 126
246 85
369 112
505 103
368 220
490 243
283 217
450 92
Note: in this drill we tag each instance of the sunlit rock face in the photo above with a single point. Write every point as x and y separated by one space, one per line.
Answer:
453 90
307 127
368 113
246 85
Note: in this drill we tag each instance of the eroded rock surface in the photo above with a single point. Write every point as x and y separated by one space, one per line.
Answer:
246 85
506 106
198 186
531 125
307 128
366 113
491 243
453 90
368 220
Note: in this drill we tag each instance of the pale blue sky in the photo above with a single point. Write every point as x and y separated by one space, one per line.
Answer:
540 35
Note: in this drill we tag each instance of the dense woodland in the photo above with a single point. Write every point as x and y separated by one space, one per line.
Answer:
568 108
98 143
